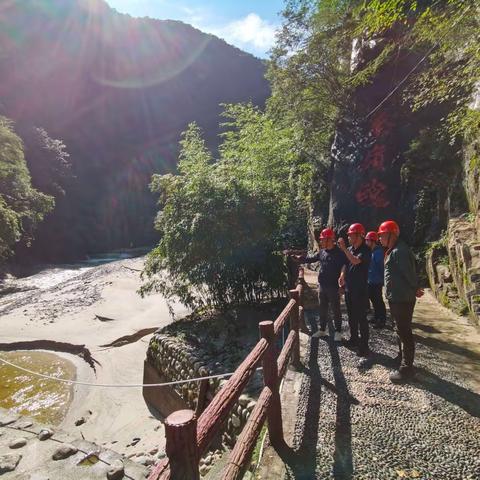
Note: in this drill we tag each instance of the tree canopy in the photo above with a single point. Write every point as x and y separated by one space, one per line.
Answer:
22 207
224 221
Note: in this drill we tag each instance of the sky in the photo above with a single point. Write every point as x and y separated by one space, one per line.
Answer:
247 24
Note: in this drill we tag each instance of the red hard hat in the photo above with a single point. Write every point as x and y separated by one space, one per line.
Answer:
372 236
356 228
389 227
327 233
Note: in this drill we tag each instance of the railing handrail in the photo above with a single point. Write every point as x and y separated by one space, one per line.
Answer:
211 420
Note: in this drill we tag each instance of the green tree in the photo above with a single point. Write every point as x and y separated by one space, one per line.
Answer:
218 239
328 50
223 221
21 206
264 153
446 37
309 72
47 160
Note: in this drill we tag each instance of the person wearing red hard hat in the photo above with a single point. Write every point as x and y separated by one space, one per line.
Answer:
331 260
354 277
401 288
375 280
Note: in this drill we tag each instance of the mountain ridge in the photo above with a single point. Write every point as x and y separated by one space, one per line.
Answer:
118 90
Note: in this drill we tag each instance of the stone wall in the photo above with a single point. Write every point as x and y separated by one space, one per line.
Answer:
472 175
453 266
175 359
440 277
464 259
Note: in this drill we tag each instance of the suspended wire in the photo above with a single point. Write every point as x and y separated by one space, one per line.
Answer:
114 385
430 50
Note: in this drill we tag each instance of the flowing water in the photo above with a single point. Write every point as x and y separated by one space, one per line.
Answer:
45 400
15 291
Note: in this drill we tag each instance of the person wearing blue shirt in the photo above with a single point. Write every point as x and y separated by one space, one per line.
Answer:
375 280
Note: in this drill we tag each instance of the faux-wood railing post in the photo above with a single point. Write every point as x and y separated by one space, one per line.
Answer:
294 325
270 377
181 447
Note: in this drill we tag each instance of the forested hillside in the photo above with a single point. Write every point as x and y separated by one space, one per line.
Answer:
117 91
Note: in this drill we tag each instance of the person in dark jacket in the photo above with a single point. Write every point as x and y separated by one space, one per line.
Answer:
331 260
375 280
354 277
401 285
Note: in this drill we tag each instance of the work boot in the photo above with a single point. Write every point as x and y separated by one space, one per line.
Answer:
351 344
403 374
320 333
363 352
365 363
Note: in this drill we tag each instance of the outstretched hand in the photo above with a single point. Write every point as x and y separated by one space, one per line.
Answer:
292 255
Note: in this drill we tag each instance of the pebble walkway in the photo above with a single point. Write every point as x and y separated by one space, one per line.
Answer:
352 423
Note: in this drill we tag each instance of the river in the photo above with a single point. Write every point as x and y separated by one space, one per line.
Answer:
45 400
47 276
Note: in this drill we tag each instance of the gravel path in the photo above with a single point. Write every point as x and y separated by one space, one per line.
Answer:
352 423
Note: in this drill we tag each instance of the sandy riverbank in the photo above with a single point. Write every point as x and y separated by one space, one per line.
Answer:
67 313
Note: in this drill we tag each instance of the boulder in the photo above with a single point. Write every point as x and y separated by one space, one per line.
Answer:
64 451
116 470
9 462
18 443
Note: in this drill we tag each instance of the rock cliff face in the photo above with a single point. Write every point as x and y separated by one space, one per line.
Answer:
366 173
371 177
387 162
453 265
464 260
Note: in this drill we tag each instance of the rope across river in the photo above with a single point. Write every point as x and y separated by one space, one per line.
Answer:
115 385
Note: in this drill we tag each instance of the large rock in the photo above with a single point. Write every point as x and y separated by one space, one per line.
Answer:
64 451
7 418
8 463
116 470
464 259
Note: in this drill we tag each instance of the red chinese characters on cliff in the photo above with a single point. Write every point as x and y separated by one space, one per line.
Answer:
374 192
381 125
375 159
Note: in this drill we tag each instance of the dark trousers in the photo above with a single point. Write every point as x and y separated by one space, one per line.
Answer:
402 314
376 297
357 319
326 297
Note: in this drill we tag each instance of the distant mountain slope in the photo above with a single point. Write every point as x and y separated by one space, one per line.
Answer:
118 91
